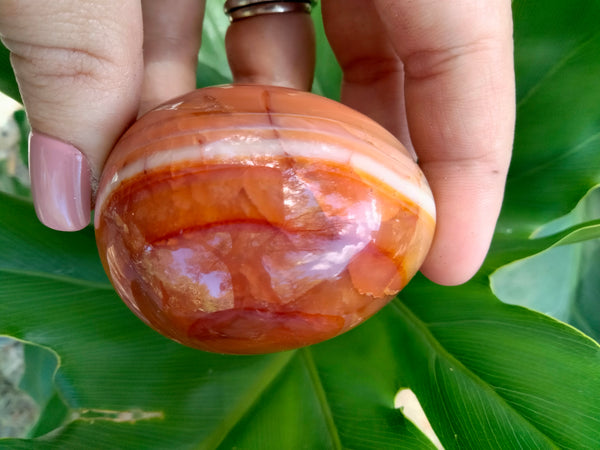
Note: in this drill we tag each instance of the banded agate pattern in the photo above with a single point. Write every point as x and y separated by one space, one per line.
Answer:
252 219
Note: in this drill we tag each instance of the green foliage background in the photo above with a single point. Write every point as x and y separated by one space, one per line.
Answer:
489 374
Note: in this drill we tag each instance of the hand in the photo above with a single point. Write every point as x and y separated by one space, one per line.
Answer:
440 76
85 71
437 74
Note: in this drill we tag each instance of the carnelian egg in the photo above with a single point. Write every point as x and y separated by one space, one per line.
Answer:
252 219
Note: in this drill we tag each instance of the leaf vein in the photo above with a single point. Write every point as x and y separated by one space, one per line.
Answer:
555 68
442 353
322 397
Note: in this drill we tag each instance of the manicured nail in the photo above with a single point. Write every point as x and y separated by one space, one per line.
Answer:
60 183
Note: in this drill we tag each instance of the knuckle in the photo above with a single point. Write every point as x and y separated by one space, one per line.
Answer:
368 71
55 42
431 63
52 65
66 81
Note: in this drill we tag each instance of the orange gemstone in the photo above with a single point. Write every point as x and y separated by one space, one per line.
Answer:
253 219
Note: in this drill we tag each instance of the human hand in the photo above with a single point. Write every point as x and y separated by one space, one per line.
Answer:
85 71
84 77
439 75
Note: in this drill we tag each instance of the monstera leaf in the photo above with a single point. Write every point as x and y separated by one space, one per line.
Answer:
488 374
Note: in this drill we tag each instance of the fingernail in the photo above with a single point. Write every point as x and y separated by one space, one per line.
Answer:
60 183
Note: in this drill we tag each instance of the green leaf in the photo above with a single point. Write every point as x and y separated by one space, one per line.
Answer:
8 83
40 383
490 367
491 375
24 129
213 68
124 383
328 75
558 116
564 280
29 247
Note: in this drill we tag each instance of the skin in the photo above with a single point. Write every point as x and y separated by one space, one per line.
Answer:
439 75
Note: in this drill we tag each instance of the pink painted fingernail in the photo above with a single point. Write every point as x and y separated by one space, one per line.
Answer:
60 183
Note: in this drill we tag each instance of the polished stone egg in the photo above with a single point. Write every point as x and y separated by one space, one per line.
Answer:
252 219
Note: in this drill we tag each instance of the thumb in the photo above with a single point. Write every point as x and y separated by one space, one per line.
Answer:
79 67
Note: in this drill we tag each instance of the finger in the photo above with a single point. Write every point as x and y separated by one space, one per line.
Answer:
79 67
272 49
460 97
172 35
373 75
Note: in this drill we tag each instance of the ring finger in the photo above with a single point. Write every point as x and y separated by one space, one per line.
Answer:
273 48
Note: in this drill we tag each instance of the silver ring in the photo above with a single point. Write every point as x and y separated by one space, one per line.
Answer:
242 9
